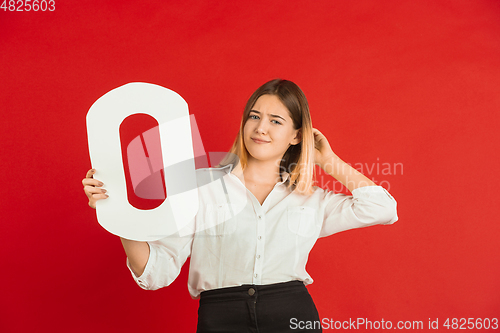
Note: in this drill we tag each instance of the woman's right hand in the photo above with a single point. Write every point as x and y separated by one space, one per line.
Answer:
92 188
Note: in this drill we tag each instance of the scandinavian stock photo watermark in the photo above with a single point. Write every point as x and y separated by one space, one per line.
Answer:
378 172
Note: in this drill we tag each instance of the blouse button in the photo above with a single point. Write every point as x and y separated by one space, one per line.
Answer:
255 275
260 217
258 256
259 238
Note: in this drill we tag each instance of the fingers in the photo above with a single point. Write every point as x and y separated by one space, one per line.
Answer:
96 197
92 188
89 179
95 194
318 136
90 173
317 132
91 182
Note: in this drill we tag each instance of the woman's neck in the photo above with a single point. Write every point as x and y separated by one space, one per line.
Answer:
262 172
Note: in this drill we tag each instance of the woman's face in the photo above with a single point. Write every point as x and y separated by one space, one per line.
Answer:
268 131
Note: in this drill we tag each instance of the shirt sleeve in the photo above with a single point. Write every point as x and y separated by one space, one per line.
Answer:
368 205
166 257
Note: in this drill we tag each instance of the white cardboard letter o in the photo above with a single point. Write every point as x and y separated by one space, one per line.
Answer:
115 213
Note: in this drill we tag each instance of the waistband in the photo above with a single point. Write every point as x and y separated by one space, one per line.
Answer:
248 291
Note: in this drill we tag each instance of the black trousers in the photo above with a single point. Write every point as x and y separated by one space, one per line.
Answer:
272 308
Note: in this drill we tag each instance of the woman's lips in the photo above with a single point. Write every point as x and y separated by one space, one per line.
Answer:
259 141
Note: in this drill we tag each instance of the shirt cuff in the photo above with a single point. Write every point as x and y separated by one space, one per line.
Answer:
381 197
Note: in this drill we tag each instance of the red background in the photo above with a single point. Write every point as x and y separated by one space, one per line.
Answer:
411 82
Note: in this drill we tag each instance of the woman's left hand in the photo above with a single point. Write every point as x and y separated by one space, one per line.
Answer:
322 148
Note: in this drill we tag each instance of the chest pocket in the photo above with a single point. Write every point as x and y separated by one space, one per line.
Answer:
220 219
302 220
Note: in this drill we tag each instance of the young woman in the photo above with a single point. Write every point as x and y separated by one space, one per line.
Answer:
256 225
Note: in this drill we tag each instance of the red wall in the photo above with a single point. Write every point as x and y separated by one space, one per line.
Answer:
413 84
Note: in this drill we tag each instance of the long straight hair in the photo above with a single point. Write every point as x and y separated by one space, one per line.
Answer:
298 160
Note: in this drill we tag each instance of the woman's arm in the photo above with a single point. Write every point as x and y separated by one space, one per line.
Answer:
367 206
137 252
335 167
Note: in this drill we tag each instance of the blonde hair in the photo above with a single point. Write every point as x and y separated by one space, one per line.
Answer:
298 160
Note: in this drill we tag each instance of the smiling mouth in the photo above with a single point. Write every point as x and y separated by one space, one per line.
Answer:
259 141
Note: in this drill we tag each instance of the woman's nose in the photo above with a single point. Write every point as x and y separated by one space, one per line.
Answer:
261 127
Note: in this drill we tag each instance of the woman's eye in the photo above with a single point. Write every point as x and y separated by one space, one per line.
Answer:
252 116
276 122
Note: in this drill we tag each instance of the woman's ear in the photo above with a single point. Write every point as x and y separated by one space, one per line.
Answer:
298 137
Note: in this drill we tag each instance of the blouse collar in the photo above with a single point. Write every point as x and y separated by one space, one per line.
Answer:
237 171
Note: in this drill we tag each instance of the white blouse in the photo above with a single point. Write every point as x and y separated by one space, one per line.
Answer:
233 240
